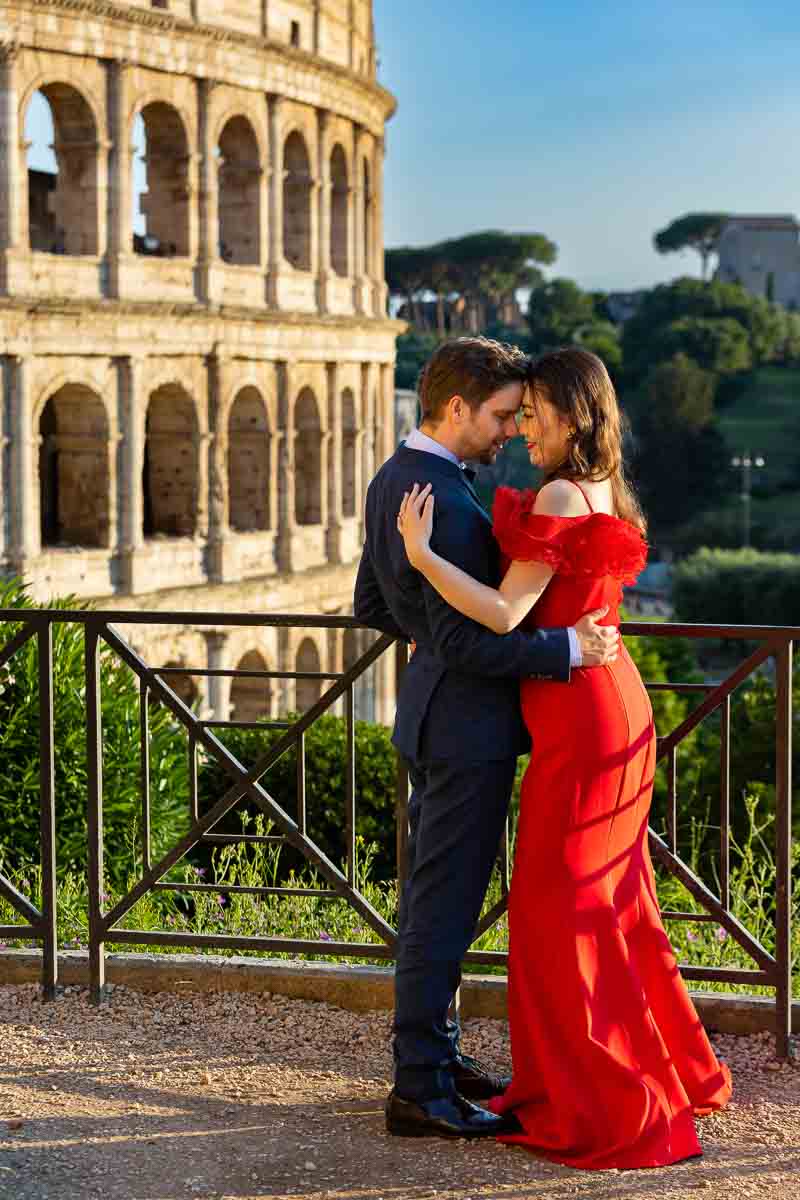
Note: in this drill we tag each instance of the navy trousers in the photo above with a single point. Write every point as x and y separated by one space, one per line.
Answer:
457 812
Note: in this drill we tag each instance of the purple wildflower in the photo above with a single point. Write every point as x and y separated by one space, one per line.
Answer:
691 936
721 935
220 900
325 937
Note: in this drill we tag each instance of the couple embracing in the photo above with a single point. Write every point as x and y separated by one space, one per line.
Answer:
516 631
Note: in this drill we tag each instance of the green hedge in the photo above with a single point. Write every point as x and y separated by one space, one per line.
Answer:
326 763
19 753
738 587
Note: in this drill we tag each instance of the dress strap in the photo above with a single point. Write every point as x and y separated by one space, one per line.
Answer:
582 492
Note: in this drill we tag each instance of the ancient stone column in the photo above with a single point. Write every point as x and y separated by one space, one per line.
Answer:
219 687
218 494
333 535
133 418
208 195
102 168
192 189
315 26
120 178
286 515
25 502
386 425
276 441
357 260
323 261
378 272
351 20
366 449
275 200
10 159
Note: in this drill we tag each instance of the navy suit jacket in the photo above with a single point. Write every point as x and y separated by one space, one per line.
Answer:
459 696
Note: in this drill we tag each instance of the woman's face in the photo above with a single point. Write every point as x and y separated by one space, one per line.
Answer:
545 430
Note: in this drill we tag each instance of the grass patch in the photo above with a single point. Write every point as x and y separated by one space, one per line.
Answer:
765 419
322 921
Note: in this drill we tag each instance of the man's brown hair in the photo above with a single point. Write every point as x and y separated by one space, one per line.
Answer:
472 367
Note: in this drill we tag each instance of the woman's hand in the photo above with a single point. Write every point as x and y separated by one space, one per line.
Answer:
415 522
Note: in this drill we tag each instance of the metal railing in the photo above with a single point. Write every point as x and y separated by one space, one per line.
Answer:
772 970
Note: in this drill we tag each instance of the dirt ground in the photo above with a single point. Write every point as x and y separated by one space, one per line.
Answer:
239 1097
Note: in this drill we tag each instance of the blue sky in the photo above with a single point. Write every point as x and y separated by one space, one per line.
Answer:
594 123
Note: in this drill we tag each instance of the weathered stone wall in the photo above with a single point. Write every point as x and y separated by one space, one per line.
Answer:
188 420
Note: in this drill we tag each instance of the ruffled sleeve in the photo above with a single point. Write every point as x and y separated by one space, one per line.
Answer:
595 544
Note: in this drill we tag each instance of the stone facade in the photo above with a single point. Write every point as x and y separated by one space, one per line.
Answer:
763 254
188 419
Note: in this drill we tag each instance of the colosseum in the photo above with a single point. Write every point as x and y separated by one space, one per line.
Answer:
197 379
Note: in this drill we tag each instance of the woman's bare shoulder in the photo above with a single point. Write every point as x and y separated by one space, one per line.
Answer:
560 498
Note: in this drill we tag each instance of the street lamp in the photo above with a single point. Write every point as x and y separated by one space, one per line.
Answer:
745 463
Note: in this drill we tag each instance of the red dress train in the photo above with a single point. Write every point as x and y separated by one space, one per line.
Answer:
610 1060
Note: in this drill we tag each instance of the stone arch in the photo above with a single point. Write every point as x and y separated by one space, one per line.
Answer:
64 206
170 472
74 475
297 190
307 460
349 442
166 201
249 462
308 691
340 195
240 192
251 698
367 201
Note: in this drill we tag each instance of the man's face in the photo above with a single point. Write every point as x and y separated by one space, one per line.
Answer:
492 425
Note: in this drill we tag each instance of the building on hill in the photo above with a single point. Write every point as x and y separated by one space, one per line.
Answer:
189 415
763 254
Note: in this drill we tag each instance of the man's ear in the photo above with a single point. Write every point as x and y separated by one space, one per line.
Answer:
457 406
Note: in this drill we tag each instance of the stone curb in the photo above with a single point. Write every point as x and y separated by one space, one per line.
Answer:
357 988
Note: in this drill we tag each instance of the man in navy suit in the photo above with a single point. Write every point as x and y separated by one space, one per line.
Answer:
459 724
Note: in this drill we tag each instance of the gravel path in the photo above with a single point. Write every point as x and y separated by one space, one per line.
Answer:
238 1097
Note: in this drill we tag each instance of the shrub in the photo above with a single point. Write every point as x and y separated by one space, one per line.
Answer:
19 752
326 764
738 587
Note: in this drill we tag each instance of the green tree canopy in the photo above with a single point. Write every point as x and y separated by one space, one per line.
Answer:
681 460
718 344
556 310
470 272
698 231
766 324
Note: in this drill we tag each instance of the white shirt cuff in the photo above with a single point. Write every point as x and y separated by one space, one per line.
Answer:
575 656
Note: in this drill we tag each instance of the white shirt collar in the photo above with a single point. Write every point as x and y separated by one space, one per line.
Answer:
417 440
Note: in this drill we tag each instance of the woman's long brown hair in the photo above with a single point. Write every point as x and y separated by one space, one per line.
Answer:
579 386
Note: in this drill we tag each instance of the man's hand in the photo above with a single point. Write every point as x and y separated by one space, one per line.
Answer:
599 643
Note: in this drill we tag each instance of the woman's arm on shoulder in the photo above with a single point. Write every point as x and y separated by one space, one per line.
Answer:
499 609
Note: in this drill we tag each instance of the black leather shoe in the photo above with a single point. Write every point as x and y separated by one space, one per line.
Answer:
475 1082
446 1117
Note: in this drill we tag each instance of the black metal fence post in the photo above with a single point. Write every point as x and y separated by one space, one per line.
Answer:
47 812
783 849
94 814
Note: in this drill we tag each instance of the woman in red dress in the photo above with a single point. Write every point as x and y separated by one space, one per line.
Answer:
611 1062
